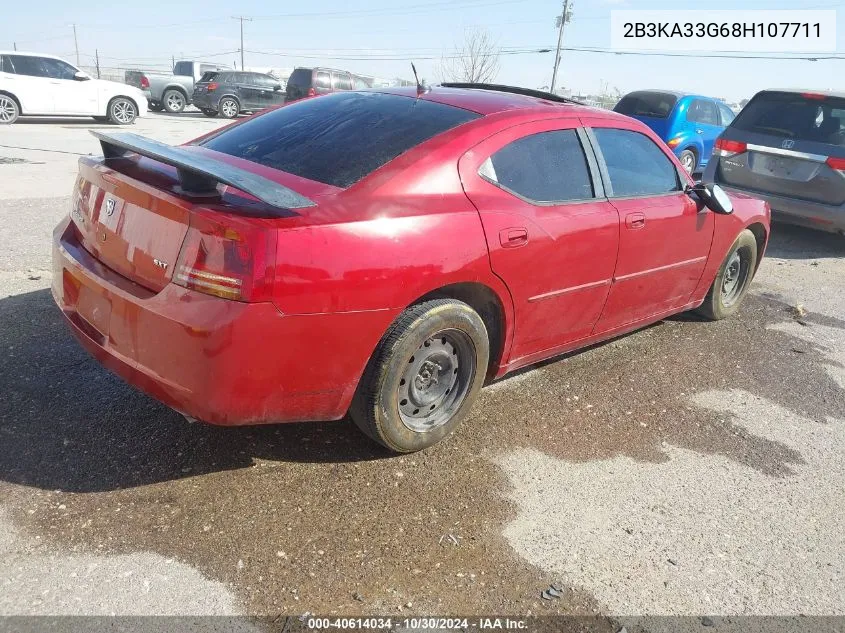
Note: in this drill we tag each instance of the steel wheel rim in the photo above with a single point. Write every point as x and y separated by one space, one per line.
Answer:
687 162
7 109
175 101
123 111
436 380
736 272
230 108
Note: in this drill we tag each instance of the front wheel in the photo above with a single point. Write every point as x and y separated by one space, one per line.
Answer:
9 110
228 107
122 111
688 160
732 280
423 377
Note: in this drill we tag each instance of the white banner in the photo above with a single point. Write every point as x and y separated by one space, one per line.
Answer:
811 31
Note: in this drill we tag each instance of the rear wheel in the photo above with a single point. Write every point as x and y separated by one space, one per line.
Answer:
732 280
9 110
174 101
122 111
228 107
423 377
689 160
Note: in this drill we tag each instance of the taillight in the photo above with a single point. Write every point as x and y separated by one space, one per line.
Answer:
145 83
231 260
836 163
724 147
312 92
211 87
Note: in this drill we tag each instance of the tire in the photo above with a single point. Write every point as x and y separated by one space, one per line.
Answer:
122 111
9 109
228 107
689 160
423 377
732 280
155 107
210 113
174 101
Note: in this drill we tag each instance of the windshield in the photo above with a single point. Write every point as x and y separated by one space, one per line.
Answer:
651 104
816 118
300 77
338 139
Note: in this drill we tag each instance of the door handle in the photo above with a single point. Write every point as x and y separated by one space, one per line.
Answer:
513 237
635 220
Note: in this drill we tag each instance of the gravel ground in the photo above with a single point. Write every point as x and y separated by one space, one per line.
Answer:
688 468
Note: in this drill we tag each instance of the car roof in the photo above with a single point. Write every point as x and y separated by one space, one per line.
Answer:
490 101
29 54
815 91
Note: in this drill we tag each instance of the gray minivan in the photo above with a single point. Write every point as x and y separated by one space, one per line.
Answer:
788 147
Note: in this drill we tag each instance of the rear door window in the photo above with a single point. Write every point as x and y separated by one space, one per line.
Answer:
635 164
341 81
339 138
546 167
29 65
6 64
726 115
656 105
322 80
703 111
816 118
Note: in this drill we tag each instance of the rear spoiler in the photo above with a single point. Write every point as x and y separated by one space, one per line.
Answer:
200 174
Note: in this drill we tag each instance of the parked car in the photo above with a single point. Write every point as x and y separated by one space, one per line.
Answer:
230 92
33 84
788 148
386 252
687 123
170 91
311 82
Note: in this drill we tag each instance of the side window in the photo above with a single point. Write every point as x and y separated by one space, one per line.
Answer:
6 64
635 164
57 69
726 113
267 82
341 81
204 68
701 111
28 65
544 167
321 80
184 68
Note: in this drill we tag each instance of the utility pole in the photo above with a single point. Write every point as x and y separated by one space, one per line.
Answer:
75 44
97 58
242 18
15 45
562 20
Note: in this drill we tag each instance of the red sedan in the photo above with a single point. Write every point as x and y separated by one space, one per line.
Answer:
384 253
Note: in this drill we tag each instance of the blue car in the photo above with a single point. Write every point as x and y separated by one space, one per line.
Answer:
687 123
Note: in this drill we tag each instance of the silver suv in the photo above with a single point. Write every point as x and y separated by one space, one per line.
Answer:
788 147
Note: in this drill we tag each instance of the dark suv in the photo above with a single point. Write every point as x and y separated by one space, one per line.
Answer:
229 92
787 147
310 82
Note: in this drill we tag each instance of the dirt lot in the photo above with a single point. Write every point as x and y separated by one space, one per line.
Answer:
688 468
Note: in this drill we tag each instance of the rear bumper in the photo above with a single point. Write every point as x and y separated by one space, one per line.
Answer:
205 101
218 361
802 212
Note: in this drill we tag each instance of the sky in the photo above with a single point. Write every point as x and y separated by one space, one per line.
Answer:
381 38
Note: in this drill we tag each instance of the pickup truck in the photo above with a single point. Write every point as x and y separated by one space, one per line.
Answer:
170 91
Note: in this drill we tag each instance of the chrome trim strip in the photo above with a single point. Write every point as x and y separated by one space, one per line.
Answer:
640 273
816 158
556 293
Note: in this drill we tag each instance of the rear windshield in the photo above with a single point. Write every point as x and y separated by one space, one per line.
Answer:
651 104
300 77
339 138
795 116
209 76
183 68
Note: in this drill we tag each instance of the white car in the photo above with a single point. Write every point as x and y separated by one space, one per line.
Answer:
44 85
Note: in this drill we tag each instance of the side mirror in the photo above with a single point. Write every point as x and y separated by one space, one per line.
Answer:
713 197
81 76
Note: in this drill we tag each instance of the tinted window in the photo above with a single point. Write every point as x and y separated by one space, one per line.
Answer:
322 79
650 104
265 81
339 138
300 77
6 64
204 68
183 68
793 116
544 167
701 111
27 65
209 76
727 115
636 166
358 83
341 81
